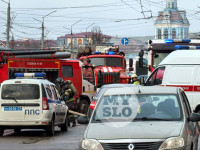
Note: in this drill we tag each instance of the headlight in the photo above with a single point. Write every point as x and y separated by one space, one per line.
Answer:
172 143
91 144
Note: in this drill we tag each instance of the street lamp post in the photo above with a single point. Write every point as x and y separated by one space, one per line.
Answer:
86 31
72 48
64 38
72 33
42 40
8 25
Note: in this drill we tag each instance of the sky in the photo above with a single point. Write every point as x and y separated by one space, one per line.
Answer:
122 18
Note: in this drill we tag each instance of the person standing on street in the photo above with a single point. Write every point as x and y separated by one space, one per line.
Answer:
67 95
135 79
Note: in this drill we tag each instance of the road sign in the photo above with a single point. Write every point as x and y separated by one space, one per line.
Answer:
125 41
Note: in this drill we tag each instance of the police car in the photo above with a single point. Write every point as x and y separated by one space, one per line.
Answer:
29 102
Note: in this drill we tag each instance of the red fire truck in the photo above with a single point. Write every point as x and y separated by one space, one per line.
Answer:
51 63
108 68
159 49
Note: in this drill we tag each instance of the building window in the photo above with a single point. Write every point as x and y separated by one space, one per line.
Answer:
67 71
166 34
186 33
173 33
172 4
181 33
169 5
159 33
80 41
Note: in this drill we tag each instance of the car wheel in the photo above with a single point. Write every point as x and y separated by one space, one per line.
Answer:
50 128
64 127
83 107
1 132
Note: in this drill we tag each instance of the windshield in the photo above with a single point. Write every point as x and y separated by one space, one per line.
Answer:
118 108
20 91
116 62
157 58
100 61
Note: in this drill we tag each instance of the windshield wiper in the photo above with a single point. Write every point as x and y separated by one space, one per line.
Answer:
12 99
148 118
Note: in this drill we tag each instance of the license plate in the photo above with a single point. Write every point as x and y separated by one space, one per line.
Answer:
12 108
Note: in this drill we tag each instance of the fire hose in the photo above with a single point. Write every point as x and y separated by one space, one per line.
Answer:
76 113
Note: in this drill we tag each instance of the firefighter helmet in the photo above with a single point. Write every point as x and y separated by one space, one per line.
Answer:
59 80
133 76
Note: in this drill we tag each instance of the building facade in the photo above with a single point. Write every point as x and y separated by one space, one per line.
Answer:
171 23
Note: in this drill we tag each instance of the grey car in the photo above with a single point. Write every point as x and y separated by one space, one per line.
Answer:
141 118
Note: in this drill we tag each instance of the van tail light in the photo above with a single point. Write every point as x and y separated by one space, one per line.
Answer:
93 105
45 104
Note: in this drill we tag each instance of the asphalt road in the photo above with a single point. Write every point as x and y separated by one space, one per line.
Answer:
37 139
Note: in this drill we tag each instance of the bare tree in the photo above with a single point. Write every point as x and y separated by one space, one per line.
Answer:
97 37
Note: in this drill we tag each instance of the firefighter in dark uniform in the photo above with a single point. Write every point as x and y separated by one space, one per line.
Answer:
67 95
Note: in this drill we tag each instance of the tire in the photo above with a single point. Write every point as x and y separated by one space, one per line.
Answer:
1 132
50 128
83 107
64 127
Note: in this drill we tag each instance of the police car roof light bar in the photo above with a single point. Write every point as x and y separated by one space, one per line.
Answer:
186 47
30 75
168 41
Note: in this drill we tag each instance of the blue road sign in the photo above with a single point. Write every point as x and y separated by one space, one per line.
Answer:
125 41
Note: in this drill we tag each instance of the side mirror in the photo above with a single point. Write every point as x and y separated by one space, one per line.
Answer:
194 117
141 62
83 120
131 63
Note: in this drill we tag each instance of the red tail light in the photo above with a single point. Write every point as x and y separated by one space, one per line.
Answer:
92 105
45 104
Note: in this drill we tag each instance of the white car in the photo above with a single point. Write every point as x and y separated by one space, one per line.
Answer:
31 103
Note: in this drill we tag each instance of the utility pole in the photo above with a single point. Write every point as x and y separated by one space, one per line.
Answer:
72 48
86 32
42 39
8 25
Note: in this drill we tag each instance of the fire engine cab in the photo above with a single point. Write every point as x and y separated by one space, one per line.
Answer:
108 68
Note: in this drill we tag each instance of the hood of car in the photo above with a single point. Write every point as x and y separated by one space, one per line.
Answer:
134 130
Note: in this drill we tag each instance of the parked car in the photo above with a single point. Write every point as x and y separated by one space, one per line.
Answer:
31 103
163 120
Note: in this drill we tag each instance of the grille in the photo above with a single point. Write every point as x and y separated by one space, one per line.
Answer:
137 146
108 78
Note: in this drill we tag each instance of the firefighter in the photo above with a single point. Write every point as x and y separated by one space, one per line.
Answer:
88 72
135 79
67 94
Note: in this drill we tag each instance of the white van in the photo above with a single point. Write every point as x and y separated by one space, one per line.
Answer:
31 103
180 68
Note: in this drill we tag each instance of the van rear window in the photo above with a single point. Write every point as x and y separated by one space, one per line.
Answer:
20 91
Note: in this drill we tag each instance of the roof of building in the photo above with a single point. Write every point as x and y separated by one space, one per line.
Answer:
83 35
174 17
181 57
